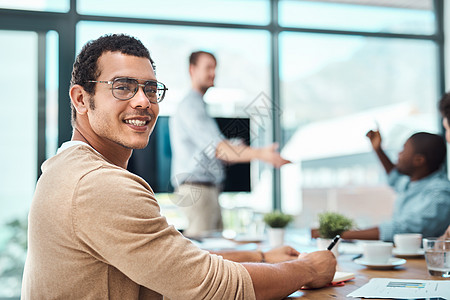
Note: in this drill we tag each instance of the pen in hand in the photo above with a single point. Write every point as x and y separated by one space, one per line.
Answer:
334 242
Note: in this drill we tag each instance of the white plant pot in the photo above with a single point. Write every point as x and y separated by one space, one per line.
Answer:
276 236
322 244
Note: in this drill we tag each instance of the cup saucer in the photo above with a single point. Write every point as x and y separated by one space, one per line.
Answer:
392 263
419 252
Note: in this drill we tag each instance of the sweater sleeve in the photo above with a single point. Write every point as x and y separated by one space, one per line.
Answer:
117 220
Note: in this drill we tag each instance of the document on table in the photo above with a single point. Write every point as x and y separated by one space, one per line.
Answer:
403 289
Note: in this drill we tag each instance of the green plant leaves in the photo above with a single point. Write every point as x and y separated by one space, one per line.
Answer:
277 219
332 224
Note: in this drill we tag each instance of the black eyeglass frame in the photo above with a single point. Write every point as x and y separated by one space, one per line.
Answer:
159 87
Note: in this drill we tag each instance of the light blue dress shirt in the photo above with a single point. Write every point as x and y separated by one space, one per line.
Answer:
194 136
422 206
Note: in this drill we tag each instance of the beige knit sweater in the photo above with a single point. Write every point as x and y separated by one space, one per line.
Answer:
95 232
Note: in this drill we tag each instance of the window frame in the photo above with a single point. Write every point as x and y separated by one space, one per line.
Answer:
65 25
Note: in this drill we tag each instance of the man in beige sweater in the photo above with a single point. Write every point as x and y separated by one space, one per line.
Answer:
95 229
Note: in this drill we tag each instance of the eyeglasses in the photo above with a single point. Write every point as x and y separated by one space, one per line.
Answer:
124 88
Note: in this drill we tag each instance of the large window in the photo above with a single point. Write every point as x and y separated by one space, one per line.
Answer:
38 5
335 88
222 11
18 149
415 17
242 83
28 114
243 70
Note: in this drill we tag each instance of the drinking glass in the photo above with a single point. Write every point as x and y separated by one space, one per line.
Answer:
437 255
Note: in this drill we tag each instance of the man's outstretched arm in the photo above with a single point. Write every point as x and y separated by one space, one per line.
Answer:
375 139
364 234
239 153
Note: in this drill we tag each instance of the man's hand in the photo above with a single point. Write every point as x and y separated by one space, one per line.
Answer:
269 154
446 235
276 281
323 267
283 253
375 139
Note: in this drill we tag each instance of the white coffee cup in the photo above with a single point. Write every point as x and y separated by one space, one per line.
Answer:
377 252
407 243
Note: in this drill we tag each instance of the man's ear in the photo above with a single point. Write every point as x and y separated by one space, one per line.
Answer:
419 160
79 99
191 69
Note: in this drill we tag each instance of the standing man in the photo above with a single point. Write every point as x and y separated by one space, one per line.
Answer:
422 188
199 151
95 230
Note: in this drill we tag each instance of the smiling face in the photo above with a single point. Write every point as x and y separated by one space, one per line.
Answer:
108 122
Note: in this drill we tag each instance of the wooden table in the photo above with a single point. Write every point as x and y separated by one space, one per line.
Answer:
414 268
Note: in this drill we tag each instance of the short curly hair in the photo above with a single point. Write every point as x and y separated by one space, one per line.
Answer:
432 147
85 67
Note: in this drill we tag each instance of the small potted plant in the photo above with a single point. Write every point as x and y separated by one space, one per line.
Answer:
277 222
330 225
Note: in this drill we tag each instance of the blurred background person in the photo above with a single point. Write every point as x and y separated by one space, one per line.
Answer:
199 152
422 187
